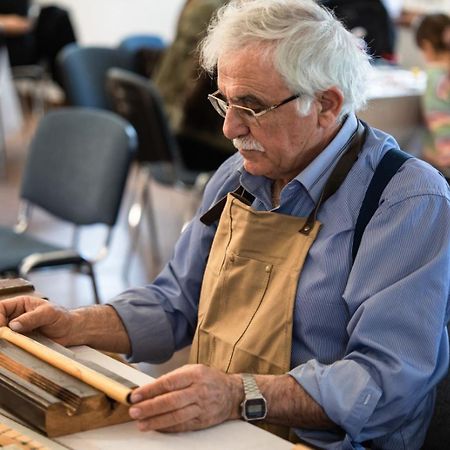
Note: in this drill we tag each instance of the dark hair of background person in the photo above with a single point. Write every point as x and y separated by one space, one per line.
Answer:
371 17
432 28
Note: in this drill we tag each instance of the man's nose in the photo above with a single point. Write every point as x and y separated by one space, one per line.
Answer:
233 125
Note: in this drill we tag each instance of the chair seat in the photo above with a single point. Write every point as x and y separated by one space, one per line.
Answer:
15 247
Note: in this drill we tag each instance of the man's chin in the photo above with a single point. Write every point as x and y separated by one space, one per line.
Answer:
250 151
252 168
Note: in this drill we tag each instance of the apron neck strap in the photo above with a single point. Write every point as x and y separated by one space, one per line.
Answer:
343 166
341 170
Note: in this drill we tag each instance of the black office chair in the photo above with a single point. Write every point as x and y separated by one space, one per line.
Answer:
83 73
146 51
137 99
76 171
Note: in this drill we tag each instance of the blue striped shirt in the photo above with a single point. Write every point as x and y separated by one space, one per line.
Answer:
369 337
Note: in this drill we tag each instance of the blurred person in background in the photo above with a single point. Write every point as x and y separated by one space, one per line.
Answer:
16 40
33 34
433 39
369 20
17 19
184 87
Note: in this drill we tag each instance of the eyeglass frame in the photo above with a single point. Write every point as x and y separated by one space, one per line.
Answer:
215 101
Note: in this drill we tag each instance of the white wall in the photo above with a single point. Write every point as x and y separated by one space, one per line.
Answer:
106 22
427 6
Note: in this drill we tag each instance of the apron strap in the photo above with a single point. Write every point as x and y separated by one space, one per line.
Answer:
213 214
345 163
343 166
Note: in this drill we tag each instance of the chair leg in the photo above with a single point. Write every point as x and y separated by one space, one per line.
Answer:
154 242
134 219
143 201
89 270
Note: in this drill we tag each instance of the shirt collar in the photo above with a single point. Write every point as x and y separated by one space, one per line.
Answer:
314 177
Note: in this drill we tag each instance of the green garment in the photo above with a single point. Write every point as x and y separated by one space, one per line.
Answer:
182 84
436 108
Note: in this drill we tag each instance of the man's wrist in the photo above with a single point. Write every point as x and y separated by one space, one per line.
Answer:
236 394
99 327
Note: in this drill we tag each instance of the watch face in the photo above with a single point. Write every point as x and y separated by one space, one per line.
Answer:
255 408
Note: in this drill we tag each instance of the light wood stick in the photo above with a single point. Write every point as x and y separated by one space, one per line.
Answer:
110 387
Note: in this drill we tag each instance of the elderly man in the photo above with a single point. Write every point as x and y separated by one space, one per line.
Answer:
286 325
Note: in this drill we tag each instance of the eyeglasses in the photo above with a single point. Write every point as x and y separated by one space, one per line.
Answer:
222 106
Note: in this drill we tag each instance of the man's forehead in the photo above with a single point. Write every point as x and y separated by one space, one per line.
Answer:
246 69
247 56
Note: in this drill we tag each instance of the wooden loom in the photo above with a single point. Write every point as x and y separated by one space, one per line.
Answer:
45 385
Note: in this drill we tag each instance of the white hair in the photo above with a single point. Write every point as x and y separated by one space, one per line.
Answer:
310 48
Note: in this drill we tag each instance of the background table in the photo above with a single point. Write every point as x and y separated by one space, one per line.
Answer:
394 105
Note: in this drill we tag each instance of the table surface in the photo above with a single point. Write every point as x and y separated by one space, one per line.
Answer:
234 435
391 81
394 105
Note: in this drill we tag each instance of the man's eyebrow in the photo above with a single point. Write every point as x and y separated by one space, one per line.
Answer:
248 98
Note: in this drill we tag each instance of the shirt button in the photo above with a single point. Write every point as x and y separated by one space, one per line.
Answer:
268 268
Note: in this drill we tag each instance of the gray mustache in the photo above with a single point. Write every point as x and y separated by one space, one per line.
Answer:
246 143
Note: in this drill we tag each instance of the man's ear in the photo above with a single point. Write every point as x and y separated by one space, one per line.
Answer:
330 105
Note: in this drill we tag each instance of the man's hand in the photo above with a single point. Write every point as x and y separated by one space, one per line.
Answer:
14 25
189 398
195 397
26 313
98 326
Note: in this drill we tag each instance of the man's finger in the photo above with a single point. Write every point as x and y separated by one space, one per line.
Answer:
180 378
178 420
164 403
39 317
13 307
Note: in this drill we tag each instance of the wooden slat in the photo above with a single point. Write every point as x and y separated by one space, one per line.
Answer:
110 387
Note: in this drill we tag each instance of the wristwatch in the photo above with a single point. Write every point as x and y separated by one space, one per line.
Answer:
254 406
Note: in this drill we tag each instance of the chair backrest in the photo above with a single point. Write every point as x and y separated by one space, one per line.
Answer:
136 42
83 73
137 99
53 31
78 164
146 51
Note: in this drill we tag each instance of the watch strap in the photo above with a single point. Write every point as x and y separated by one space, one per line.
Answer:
254 406
251 389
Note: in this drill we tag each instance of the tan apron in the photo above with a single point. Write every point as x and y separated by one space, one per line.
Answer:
249 288
248 291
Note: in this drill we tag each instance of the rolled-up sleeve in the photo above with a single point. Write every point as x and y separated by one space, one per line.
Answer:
397 303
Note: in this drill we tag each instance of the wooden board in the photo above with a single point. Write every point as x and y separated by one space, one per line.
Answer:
11 287
45 397
51 400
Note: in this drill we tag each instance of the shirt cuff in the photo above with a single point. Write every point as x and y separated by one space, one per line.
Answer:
147 325
345 390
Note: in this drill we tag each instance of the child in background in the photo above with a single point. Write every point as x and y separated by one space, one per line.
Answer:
433 39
